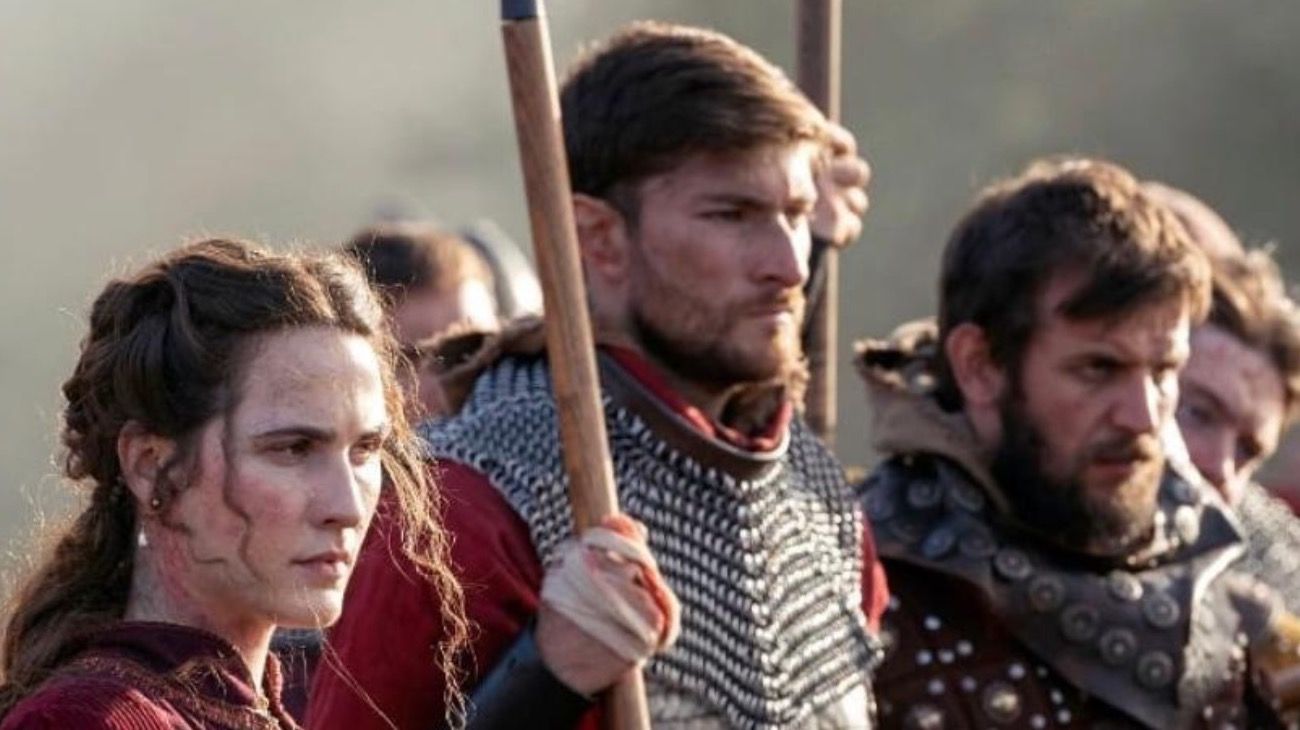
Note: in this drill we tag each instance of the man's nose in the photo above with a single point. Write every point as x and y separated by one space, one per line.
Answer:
1139 406
784 258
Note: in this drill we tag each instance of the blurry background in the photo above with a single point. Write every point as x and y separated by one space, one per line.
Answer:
127 126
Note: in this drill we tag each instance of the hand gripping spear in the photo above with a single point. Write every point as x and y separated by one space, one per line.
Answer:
818 73
569 342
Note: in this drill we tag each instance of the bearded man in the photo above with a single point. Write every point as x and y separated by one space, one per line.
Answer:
1049 564
697 168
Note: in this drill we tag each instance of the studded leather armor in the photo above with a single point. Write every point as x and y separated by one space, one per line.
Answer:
990 627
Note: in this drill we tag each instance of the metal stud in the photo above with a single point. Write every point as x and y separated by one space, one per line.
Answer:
946 656
1161 611
965 648
923 717
924 495
888 640
1012 564
1080 623
1038 722
924 658
1046 593
1063 717
931 623
1124 586
1187 523
1001 702
938 543
935 687
1117 646
968 684
1155 670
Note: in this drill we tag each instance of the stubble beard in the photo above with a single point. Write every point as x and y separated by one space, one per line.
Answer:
689 336
1064 508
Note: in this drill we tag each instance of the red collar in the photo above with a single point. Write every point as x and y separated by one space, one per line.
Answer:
766 439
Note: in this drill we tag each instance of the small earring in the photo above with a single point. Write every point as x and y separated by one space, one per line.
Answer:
141 540
155 504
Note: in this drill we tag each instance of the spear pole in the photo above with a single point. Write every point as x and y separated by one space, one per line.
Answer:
569 341
818 75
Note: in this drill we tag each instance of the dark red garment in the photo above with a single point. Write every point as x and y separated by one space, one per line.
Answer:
154 676
386 637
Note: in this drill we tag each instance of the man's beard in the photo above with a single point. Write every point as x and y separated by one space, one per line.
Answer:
682 335
1062 507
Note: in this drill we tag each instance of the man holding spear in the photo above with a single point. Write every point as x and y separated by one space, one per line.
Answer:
698 173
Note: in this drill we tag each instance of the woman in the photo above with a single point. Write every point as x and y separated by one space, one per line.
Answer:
232 414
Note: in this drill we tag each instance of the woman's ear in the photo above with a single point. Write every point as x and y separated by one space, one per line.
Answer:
980 380
602 237
143 456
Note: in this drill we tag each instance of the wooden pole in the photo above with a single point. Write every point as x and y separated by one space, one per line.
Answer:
818 75
569 341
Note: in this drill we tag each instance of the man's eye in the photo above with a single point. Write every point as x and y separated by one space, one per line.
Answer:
1098 370
1196 413
297 448
725 214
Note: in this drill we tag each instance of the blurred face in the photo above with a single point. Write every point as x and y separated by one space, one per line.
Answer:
1081 454
430 311
719 257
1231 409
425 313
283 488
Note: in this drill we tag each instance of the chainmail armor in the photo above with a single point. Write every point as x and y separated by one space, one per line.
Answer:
1272 534
767 564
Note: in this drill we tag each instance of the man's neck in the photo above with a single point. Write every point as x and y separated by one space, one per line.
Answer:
708 398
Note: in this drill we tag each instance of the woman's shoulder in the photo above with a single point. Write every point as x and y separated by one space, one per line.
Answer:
90 702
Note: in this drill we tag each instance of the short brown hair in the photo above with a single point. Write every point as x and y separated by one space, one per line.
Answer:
406 256
1250 303
654 94
1062 215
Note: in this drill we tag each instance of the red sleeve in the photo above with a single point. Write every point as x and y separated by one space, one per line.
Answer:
383 645
875 589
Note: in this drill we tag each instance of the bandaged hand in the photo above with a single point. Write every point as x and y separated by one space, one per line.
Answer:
842 179
605 608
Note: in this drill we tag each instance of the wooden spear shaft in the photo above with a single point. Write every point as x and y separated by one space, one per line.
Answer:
569 342
818 74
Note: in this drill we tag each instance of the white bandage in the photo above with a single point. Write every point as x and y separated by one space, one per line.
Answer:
604 607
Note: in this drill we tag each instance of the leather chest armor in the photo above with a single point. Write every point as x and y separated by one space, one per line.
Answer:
1157 640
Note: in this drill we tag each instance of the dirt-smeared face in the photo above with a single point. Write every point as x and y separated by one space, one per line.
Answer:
1081 454
282 487
719 257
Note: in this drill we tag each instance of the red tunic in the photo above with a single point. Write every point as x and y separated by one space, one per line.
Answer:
153 676
385 640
